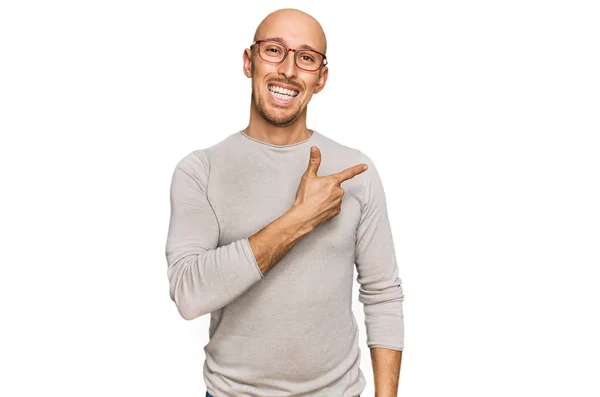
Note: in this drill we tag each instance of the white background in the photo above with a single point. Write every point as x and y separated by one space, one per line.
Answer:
482 118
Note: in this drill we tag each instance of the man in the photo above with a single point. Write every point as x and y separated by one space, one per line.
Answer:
264 238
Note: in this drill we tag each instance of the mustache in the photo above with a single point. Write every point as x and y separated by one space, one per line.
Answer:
287 82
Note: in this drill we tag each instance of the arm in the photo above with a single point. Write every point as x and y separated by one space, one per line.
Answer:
272 242
386 371
318 199
380 287
204 277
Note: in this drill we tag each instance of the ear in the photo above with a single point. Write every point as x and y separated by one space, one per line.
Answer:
322 79
247 57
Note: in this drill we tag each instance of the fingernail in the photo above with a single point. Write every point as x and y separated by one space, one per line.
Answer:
365 167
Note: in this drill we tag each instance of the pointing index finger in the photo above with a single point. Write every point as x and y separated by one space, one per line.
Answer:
351 172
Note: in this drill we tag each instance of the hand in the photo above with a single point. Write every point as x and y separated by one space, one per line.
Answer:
319 198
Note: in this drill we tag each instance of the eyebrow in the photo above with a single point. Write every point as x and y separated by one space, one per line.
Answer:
282 41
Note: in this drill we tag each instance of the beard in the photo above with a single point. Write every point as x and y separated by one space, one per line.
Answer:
274 117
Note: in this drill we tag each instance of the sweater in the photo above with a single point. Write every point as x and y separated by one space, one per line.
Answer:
290 331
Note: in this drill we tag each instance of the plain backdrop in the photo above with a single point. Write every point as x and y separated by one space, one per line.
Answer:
481 116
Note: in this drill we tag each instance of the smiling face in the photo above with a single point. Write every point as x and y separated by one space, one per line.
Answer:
281 92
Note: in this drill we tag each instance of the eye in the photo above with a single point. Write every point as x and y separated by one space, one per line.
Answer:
273 49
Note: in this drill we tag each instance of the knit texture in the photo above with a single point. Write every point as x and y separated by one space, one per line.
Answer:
290 331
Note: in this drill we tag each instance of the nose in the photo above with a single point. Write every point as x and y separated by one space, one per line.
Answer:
288 66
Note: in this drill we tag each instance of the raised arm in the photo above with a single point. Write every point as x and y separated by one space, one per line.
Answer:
205 277
318 199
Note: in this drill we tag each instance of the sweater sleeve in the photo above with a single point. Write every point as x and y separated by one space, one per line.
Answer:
203 277
380 287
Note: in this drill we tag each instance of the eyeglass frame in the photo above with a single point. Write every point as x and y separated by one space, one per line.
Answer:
323 63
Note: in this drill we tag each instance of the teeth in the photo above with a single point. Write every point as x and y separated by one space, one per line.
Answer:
282 96
284 91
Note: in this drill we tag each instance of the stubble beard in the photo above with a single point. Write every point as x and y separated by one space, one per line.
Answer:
277 119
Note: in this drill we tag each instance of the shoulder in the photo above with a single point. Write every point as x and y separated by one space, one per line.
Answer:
194 162
339 155
347 154
198 161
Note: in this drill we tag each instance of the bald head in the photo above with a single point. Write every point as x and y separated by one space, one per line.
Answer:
293 25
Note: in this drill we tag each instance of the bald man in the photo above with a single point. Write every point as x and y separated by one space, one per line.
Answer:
266 227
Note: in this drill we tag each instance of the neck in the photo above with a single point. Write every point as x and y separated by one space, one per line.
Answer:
259 128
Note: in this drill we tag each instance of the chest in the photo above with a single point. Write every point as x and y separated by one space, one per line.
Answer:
246 199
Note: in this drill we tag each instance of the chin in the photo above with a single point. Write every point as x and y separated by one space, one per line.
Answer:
280 121
274 116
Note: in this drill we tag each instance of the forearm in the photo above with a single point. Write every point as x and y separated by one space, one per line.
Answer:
273 241
386 371
203 281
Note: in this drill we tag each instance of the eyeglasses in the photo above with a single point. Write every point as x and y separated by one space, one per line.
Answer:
275 52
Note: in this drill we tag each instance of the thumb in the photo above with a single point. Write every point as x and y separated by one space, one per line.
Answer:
314 162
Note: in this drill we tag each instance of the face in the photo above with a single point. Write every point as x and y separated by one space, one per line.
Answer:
281 92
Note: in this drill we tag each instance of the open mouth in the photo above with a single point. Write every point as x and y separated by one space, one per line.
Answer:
282 94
